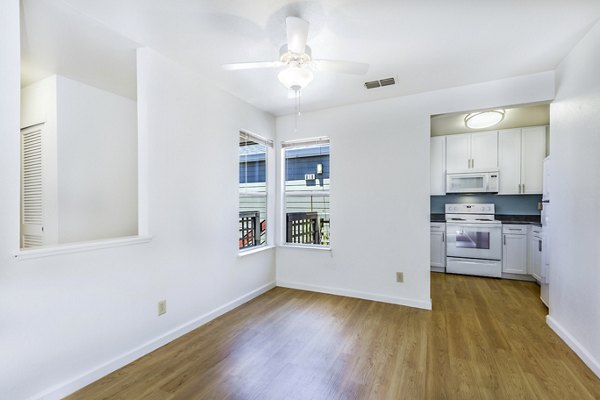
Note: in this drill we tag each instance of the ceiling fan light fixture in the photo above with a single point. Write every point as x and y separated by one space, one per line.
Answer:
484 119
295 77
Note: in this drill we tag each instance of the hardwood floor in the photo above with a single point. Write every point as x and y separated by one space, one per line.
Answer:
484 339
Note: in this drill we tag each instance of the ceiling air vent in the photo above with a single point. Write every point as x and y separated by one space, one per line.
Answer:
372 84
387 81
380 83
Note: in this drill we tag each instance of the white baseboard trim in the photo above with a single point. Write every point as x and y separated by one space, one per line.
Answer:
423 304
585 355
63 389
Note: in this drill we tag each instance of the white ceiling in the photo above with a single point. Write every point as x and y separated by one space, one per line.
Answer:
426 45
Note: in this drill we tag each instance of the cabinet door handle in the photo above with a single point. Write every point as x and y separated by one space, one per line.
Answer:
504 236
472 163
523 188
539 245
443 237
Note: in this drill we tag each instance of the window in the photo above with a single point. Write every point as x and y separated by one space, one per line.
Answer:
253 155
306 191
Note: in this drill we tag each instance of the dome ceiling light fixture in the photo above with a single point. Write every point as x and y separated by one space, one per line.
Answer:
484 119
295 77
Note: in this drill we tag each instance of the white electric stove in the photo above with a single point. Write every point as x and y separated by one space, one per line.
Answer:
473 240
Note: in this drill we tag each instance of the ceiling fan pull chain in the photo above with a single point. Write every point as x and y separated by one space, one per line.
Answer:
297 113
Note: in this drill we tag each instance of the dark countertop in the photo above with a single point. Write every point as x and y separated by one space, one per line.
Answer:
520 219
506 219
437 218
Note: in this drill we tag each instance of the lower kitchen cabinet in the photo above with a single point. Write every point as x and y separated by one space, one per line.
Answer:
514 249
535 255
438 246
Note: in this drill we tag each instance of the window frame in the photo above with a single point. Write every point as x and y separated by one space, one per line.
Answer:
300 143
268 143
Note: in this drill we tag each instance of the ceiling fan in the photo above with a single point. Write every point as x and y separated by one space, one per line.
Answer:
296 58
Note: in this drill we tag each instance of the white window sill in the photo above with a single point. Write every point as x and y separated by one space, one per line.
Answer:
80 247
255 250
305 246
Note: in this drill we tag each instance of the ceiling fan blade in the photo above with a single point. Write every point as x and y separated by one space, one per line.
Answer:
297 34
344 67
252 65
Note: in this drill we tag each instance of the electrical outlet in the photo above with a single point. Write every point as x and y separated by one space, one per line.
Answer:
162 307
399 276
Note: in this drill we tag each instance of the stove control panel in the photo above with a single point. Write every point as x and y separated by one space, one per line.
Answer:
470 209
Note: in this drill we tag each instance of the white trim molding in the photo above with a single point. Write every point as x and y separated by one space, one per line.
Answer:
422 304
581 351
254 250
63 389
79 247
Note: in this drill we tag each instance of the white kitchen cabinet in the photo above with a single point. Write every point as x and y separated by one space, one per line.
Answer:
438 246
458 152
521 154
509 161
532 165
438 165
470 152
514 249
484 151
535 255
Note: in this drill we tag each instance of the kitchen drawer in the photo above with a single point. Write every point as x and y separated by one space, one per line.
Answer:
536 230
438 227
514 229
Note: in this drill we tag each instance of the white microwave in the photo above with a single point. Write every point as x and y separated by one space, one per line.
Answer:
479 182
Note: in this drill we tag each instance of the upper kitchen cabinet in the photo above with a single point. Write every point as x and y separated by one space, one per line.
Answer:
438 165
521 155
470 152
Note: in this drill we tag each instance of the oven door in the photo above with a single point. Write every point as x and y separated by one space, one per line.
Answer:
474 241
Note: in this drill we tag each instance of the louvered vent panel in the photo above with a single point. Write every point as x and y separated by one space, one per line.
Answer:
32 178
32 241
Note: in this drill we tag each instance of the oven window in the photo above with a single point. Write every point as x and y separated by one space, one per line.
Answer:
473 240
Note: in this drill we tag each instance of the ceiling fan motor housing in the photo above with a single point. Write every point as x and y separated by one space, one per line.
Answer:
289 57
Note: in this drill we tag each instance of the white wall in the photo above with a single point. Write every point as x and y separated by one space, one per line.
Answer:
97 163
383 148
68 319
90 159
575 195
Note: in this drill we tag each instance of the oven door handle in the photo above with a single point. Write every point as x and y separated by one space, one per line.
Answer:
475 225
